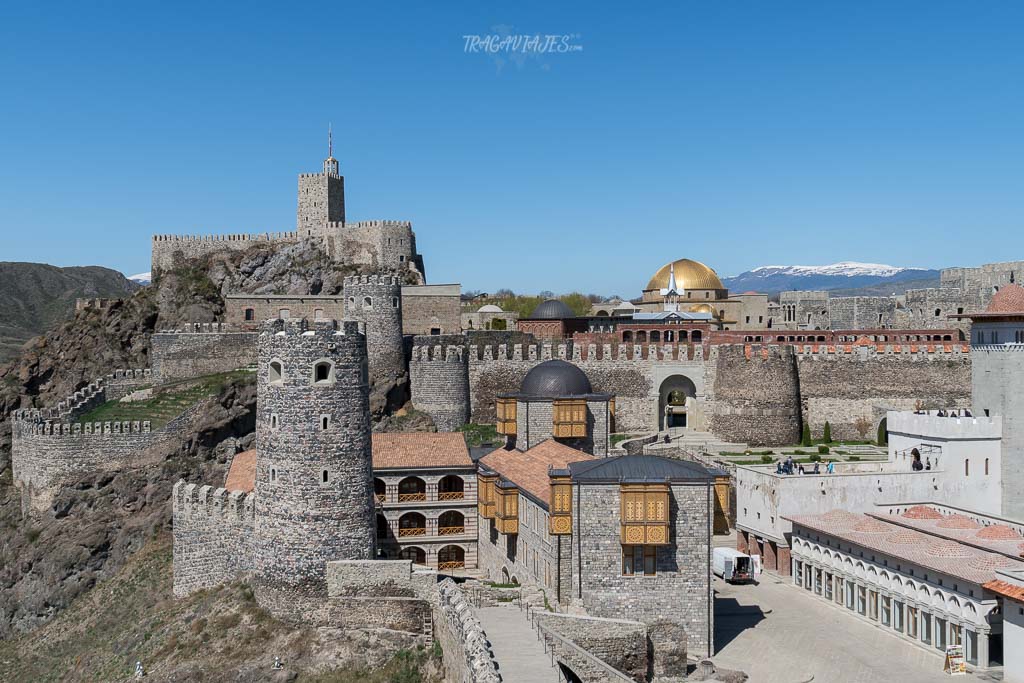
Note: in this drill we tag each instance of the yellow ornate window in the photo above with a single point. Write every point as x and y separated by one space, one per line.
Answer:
506 412
644 514
506 507
560 505
485 494
570 418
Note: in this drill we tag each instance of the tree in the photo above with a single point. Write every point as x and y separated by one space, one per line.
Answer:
805 437
546 294
863 426
827 434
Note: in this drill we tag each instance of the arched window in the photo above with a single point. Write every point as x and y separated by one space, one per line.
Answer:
367 302
669 336
451 487
412 524
323 372
273 474
696 336
380 490
275 374
655 336
627 336
325 477
325 422
417 555
641 337
273 421
451 557
412 489
351 302
451 523
250 314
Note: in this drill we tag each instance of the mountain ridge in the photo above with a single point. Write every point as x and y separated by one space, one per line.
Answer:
848 276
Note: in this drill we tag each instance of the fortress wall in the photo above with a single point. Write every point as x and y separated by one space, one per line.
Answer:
756 397
44 454
861 312
385 245
930 308
840 384
213 531
185 354
169 249
439 382
467 653
428 307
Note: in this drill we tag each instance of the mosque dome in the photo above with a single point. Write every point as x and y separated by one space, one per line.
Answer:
555 378
489 308
689 275
703 308
551 309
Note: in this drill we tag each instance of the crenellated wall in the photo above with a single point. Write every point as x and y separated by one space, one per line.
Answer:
171 249
440 385
756 396
201 349
213 531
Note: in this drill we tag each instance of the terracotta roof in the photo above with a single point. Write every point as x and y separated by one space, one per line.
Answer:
416 450
529 469
998 538
924 548
1009 299
242 473
922 512
1006 589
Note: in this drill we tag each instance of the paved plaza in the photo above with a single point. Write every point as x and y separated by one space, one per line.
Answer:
778 633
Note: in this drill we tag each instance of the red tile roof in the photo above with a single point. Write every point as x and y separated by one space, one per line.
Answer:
242 473
1006 589
1009 299
420 450
529 469
924 548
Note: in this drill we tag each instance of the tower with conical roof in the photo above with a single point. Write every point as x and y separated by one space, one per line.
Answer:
321 196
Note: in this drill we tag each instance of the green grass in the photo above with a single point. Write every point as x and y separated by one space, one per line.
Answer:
619 438
168 401
479 434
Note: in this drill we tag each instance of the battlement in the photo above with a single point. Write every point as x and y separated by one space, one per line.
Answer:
319 175
87 397
235 237
441 354
588 353
338 225
380 280
306 328
203 328
95 304
52 428
863 351
205 499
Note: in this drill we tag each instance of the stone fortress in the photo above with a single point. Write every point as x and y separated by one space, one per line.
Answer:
307 527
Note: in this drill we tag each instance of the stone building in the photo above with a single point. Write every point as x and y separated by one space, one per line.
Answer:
489 317
425 486
923 573
431 309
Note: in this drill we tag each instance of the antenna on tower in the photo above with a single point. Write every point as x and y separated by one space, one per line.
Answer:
330 140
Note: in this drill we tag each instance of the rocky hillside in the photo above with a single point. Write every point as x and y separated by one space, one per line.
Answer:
99 522
37 296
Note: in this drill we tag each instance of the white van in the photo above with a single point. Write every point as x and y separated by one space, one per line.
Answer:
732 565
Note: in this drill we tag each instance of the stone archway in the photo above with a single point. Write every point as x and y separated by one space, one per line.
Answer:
674 396
882 433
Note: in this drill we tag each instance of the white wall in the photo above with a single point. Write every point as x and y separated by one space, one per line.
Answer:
1013 643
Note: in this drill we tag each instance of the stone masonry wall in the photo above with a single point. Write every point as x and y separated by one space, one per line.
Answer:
861 312
169 250
618 643
756 396
680 593
272 306
439 382
213 533
464 646
429 307
181 355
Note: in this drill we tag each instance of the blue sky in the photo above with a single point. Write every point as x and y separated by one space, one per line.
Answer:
739 134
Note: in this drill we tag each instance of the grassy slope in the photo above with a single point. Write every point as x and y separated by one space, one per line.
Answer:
214 635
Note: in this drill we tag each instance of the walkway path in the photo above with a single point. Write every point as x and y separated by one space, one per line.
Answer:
520 656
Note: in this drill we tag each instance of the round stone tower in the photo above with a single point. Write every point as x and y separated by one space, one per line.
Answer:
756 395
439 382
314 475
376 300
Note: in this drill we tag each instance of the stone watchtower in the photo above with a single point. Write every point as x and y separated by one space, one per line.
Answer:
377 301
321 197
314 477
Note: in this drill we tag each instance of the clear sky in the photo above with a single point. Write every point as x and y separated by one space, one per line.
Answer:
739 134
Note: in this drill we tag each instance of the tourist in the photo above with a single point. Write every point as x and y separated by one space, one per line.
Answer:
941 413
927 463
916 464
789 464
778 467
967 413
802 469
817 469
830 467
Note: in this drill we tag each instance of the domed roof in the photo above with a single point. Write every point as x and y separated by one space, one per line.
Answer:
551 309
689 275
554 378
703 308
489 308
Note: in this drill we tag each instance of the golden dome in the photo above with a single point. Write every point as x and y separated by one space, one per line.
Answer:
703 308
689 275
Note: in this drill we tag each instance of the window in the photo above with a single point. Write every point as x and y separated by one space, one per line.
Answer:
276 372
273 475
639 560
250 314
940 634
912 622
897 616
394 302
435 330
325 477
284 314
862 600
325 422
323 372
367 302
318 314
926 627
967 467
886 610
273 421
401 258
828 586
986 466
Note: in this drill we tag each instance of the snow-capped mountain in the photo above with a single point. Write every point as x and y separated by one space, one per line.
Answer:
141 278
843 275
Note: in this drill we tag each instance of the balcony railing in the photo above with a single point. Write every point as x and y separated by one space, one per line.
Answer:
454 564
412 531
451 530
381 497
451 495
411 497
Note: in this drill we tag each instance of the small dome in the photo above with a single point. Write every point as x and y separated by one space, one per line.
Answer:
489 308
551 309
703 308
555 378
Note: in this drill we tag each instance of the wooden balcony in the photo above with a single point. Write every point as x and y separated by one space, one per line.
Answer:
455 564
412 497
451 495
451 530
412 531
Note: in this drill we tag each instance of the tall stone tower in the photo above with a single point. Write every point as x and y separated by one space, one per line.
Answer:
756 394
377 301
321 196
314 476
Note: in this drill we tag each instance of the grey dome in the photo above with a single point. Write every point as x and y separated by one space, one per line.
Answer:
551 309
554 378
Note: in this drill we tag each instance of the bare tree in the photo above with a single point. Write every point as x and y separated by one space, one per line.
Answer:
863 426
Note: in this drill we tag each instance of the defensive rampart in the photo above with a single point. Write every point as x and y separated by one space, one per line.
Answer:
201 349
467 653
213 531
171 249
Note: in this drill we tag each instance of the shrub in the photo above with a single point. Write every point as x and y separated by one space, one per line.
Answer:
805 437
815 457
827 434
767 459
854 457
823 450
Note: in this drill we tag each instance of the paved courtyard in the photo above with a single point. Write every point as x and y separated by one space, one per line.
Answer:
780 634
